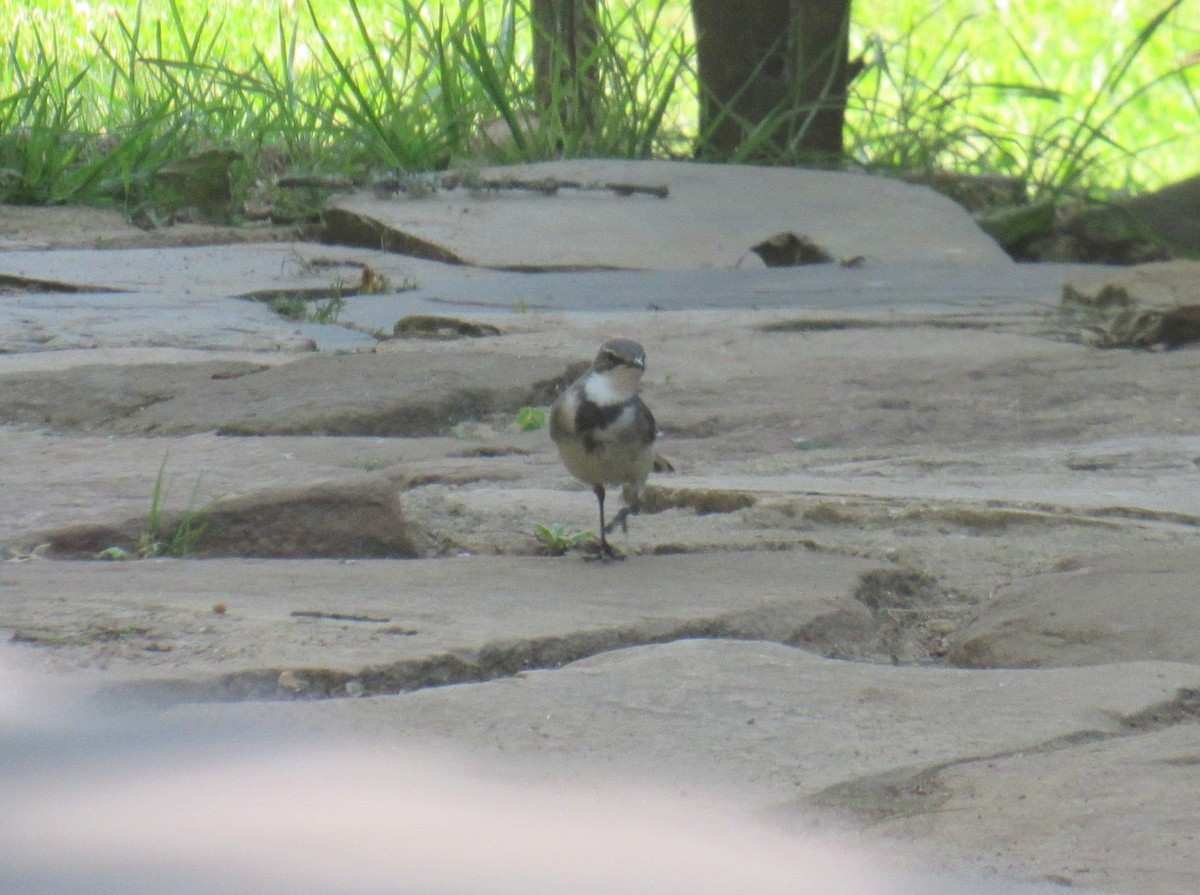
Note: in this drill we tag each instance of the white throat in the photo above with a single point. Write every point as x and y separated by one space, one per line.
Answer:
612 387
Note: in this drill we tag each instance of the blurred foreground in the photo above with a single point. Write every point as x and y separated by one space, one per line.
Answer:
120 799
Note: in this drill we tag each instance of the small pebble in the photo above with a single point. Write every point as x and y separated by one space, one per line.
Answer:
289 681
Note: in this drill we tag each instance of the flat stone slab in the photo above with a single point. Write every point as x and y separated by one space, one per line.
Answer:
415 391
217 297
712 217
1165 284
45 322
1005 434
1120 815
761 723
758 724
1119 484
1108 607
220 629
183 297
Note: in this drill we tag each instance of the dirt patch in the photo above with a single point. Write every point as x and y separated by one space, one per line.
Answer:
88 635
430 326
702 500
895 614
906 589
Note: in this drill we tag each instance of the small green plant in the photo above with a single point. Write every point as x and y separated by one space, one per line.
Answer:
530 419
557 540
292 307
328 310
181 539
299 308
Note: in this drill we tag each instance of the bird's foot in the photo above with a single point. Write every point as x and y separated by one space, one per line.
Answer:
603 552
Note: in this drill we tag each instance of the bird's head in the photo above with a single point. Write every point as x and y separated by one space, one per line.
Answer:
616 372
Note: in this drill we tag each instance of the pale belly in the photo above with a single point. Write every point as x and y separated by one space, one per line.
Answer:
609 464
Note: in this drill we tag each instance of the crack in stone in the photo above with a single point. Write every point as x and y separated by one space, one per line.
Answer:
1183 709
16 283
492 661
904 792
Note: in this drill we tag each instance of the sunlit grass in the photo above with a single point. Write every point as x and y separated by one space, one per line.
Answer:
1002 87
96 97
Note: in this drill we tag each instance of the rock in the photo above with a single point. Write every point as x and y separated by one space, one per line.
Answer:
712 216
325 520
975 192
1108 608
1098 234
1145 306
1081 807
1172 214
1159 286
1014 227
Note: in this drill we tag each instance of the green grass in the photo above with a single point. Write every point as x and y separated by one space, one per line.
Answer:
307 311
1074 96
95 100
180 539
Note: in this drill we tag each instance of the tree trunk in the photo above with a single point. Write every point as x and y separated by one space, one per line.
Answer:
780 64
564 60
820 49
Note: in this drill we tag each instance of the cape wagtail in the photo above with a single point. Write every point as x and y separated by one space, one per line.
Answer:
604 431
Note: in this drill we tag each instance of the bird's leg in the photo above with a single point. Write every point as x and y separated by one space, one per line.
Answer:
599 491
606 550
620 519
633 506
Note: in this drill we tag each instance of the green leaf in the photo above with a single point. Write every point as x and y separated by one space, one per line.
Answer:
558 540
530 419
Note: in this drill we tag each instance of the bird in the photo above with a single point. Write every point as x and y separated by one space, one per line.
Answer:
605 433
